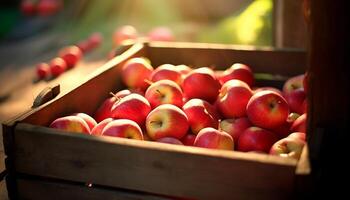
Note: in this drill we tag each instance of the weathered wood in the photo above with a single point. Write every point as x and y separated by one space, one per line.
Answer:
152 167
44 189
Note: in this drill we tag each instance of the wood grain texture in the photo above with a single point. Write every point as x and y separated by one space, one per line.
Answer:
152 167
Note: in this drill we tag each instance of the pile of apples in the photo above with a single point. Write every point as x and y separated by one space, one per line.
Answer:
202 108
40 7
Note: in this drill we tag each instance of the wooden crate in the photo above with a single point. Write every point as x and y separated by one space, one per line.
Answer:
48 163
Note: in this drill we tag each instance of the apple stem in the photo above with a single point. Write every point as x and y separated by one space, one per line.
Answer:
149 82
219 128
117 99
160 93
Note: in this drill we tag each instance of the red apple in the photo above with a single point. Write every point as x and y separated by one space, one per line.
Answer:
161 34
166 121
105 109
42 70
134 107
97 130
70 54
296 99
299 135
164 92
57 66
169 140
256 139
235 127
123 128
84 46
49 7
71 124
233 98
283 130
201 83
288 147
238 71
188 139
299 125
269 89
123 34
293 83
168 72
267 109
89 120
214 139
134 73
201 114
95 40
28 7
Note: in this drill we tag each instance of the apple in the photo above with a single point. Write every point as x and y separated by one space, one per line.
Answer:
269 89
296 100
256 139
164 92
283 130
293 83
290 147
28 7
161 34
267 109
166 121
214 139
57 66
134 73
105 109
188 139
183 69
168 72
201 83
42 70
235 127
89 120
123 128
201 114
70 54
95 40
97 130
71 124
238 71
299 125
49 7
299 135
169 140
233 98
84 46
134 107
123 34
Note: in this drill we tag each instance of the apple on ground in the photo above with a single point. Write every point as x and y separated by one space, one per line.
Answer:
238 71
201 83
87 118
170 140
161 33
57 66
166 121
299 125
233 98
134 73
164 92
124 33
201 114
70 54
168 72
95 40
42 70
267 109
123 128
235 127
71 124
290 147
134 107
188 139
256 139
97 130
214 139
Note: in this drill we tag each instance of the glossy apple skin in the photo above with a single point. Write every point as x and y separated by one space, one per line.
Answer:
188 139
57 66
71 124
70 54
42 70
202 84
296 100
299 125
97 130
269 89
166 121
233 99
124 33
293 83
167 72
87 118
105 109
161 34
123 128
238 71
256 139
214 139
134 107
267 109
201 114
235 127
170 140
289 147
164 92
134 73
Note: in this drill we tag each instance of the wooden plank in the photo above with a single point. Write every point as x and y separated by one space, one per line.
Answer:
44 189
152 167
286 62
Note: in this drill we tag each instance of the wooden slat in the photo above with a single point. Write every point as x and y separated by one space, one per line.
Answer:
152 167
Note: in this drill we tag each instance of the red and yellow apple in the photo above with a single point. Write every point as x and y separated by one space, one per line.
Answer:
214 139
238 71
170 140
123 128
299 125
164 92
235 127
167 72
256 139
290 147
97 130
71 124
87 118
134 73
